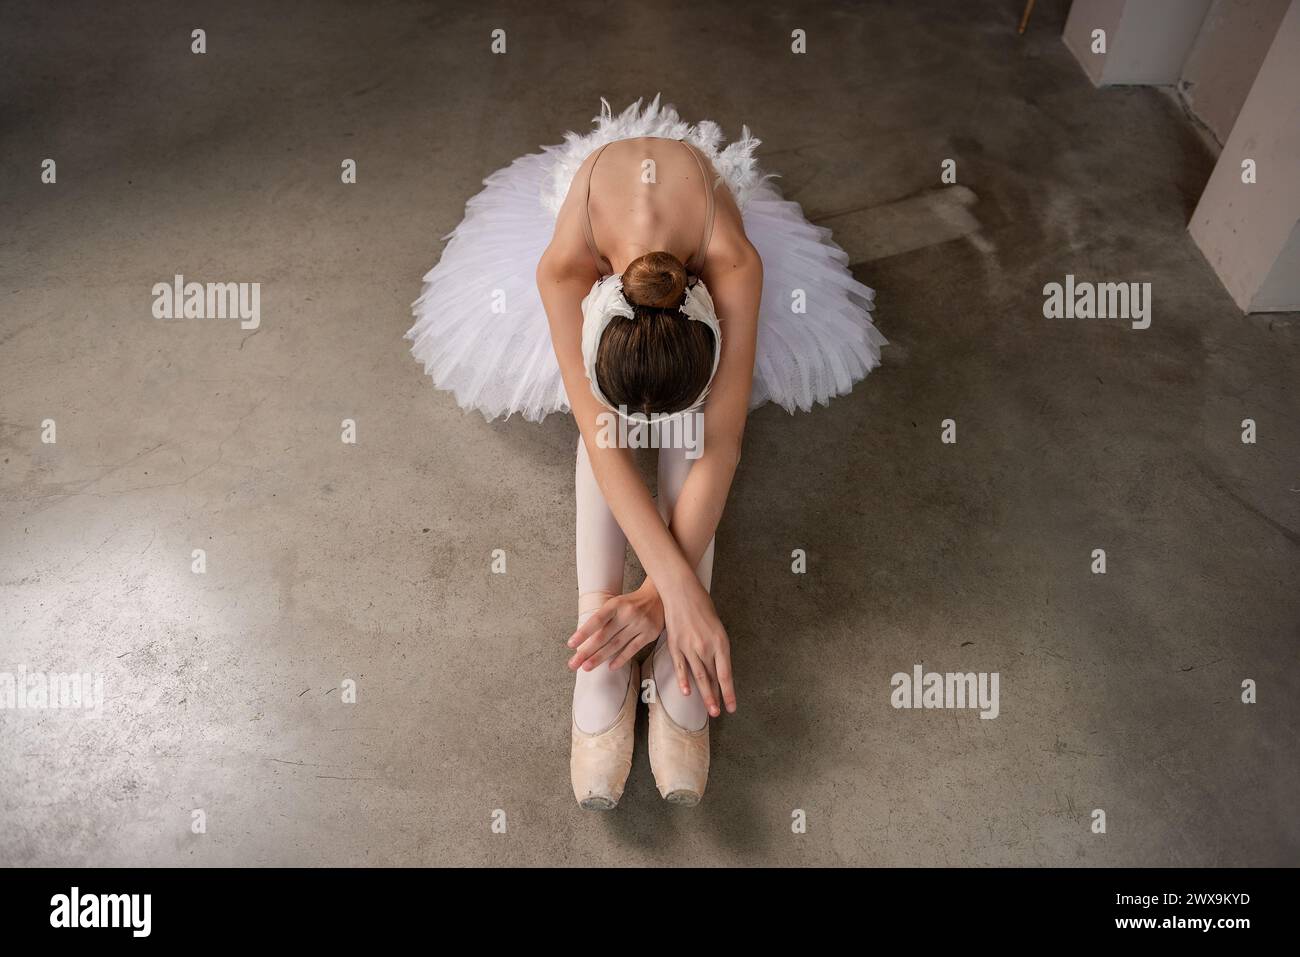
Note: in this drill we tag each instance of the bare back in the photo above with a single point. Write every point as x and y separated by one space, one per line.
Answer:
647 194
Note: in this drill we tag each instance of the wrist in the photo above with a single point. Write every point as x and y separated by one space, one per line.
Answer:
677 580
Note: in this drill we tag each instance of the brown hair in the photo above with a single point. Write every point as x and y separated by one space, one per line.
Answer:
659 361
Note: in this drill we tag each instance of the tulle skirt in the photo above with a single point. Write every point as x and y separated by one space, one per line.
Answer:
481 332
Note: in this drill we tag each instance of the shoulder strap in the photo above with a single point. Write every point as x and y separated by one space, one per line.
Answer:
696 265
602 264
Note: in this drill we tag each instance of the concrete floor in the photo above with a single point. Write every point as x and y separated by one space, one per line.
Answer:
328 561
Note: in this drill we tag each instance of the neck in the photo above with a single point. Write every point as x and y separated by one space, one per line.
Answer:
620 257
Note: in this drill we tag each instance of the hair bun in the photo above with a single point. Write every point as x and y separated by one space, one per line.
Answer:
655 281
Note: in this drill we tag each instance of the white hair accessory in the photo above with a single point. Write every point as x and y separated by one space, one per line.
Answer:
606 300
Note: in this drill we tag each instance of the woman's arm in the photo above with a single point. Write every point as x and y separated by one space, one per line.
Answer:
735 281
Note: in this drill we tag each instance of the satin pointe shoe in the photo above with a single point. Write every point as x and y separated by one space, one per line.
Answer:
599 763
678 758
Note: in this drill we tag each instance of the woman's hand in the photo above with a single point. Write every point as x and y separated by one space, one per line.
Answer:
623 626
699 645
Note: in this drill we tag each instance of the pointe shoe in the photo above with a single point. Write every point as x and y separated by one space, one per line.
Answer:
678 758
599 763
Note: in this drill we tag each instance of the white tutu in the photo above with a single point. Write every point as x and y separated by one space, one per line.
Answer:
481 332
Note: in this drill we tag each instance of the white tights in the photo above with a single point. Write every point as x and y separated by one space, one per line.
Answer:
598 694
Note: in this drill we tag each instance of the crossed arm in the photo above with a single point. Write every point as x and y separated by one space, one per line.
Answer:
672 596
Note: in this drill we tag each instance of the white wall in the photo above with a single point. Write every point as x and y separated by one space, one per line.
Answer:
1222 64
1086 16
1248 232
1147 41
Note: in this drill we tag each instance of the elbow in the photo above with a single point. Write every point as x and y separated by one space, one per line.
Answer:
545 272
751 263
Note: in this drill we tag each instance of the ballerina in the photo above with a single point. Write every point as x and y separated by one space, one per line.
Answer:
644 272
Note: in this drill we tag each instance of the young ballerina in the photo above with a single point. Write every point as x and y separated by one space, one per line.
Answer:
670 280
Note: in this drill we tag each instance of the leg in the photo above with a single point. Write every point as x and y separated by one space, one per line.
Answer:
601 554
688 712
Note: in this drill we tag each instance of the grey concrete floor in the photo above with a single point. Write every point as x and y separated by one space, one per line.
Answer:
371 561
